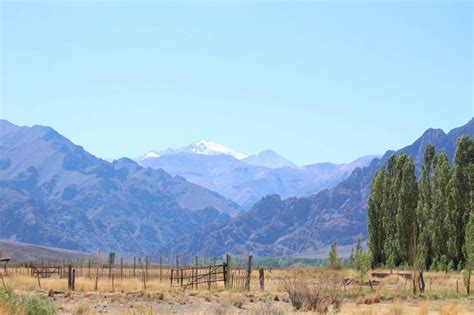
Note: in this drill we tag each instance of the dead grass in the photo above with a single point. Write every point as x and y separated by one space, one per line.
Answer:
423 309
452 309
311 290
368 299
83 308
295 289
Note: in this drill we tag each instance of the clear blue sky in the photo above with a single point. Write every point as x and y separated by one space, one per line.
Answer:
315 81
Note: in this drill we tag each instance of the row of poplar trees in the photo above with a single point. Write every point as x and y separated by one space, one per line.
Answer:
423 222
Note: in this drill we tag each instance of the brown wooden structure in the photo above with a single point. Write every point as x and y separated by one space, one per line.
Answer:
45 272
194 276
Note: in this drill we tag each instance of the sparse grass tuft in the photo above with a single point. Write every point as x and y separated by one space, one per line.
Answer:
368 299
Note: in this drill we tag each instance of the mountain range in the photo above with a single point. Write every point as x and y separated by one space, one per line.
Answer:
246 179
303 226
54 193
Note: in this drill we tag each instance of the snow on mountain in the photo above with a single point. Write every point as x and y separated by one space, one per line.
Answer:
270 159
151 154
211 148
204 147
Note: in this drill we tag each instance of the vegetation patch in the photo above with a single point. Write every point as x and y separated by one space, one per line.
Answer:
13 304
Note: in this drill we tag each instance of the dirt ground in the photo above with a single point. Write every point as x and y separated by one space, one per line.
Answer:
195 303
391 294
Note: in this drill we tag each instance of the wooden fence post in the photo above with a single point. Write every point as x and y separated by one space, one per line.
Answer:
249 273
161 268
262 279
134 265
69 277
209 279
121 268
197 273
89 267
73 282
97 269
146 268
64 269
228 275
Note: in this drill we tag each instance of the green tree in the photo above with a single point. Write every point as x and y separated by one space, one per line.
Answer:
439 219
423 211
469 233
469 248
389 206
459 198
375 218
406 206
363 261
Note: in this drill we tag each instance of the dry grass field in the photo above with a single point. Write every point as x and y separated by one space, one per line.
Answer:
295 290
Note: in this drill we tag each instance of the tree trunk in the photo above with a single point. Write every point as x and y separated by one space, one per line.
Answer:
422 282
468 280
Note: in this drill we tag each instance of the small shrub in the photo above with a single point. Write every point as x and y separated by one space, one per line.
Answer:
465 277
363 261
451 266
82 309
368 299
36 306
12 304
8 300
443 264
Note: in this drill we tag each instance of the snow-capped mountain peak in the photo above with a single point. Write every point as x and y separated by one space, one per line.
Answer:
204 147
151 154
207 147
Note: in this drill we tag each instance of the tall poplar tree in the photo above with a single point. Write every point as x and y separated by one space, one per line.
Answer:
424 211
375 218
459 198
440 219
406 207
389 206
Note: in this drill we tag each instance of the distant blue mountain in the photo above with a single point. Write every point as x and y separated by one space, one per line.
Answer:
303 226
247 180
53 192
270 159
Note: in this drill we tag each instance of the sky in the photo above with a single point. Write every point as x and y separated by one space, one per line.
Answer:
315 81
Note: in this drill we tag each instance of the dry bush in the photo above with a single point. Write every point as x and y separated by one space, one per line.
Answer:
453 309
312 290
396 309
83 308
368 299
221 309
231 298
